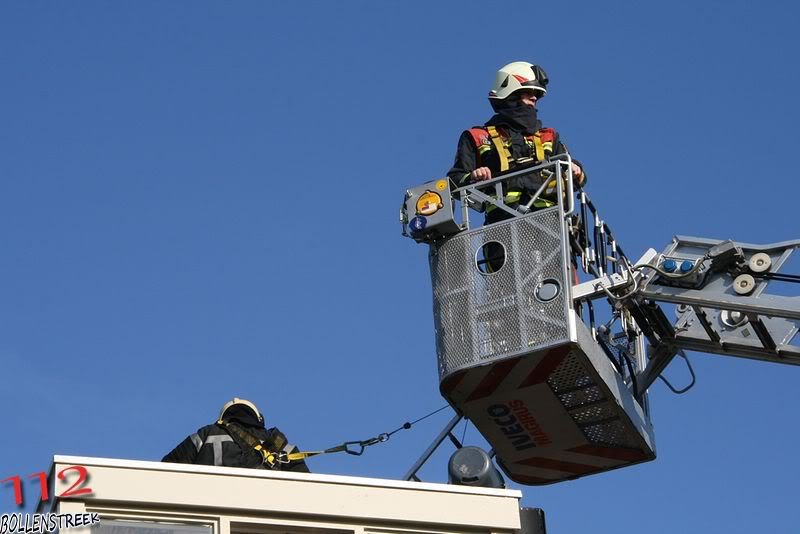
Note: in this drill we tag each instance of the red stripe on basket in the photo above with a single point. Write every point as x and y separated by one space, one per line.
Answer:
549 363
451 382
613 453
493 378
528 479
559 465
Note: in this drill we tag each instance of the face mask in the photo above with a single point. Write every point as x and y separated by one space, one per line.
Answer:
516 114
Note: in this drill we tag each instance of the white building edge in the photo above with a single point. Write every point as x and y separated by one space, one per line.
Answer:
136 497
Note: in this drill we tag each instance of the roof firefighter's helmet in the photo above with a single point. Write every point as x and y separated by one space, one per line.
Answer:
244 402
517 76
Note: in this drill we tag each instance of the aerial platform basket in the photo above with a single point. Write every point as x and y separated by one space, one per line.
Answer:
514 356
558 390
517 361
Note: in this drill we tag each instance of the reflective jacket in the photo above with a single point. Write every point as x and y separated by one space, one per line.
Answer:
481 147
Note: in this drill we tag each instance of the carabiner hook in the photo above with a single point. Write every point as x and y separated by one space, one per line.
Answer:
354 451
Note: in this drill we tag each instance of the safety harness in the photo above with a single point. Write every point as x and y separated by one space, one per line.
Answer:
271 453
278 451
541 142
490 138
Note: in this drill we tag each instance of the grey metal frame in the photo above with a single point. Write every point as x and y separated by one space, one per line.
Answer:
771 324
447 431
772 321
472 194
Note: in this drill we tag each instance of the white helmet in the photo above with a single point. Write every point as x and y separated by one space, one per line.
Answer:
247 403
516 76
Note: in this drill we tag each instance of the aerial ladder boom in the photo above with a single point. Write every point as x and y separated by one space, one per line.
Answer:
548 337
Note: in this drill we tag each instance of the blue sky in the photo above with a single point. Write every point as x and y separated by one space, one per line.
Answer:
199 200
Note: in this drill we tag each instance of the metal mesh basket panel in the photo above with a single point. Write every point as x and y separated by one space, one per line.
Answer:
611 433
569 376
541 258
592 411
573 386
481 317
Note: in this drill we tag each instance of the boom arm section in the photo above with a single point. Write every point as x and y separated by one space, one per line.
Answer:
723 307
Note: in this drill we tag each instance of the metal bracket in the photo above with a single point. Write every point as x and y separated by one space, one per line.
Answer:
447 431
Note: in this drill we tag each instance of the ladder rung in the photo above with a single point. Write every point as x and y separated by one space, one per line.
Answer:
704 322
762 332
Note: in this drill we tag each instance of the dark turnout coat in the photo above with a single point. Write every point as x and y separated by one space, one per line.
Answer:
214 445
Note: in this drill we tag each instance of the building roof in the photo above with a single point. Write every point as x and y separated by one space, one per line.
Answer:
233 493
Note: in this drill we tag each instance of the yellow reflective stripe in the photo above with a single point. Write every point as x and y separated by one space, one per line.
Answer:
510 198
543 203
498 145
538 203
484 149
513 196
537 143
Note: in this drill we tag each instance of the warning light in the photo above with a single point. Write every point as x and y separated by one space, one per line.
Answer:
429 203
418 224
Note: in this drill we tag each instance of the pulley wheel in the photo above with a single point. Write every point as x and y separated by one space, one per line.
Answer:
744 284
760 262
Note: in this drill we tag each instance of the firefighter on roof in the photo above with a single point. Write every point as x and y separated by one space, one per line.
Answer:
514 136
237 439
